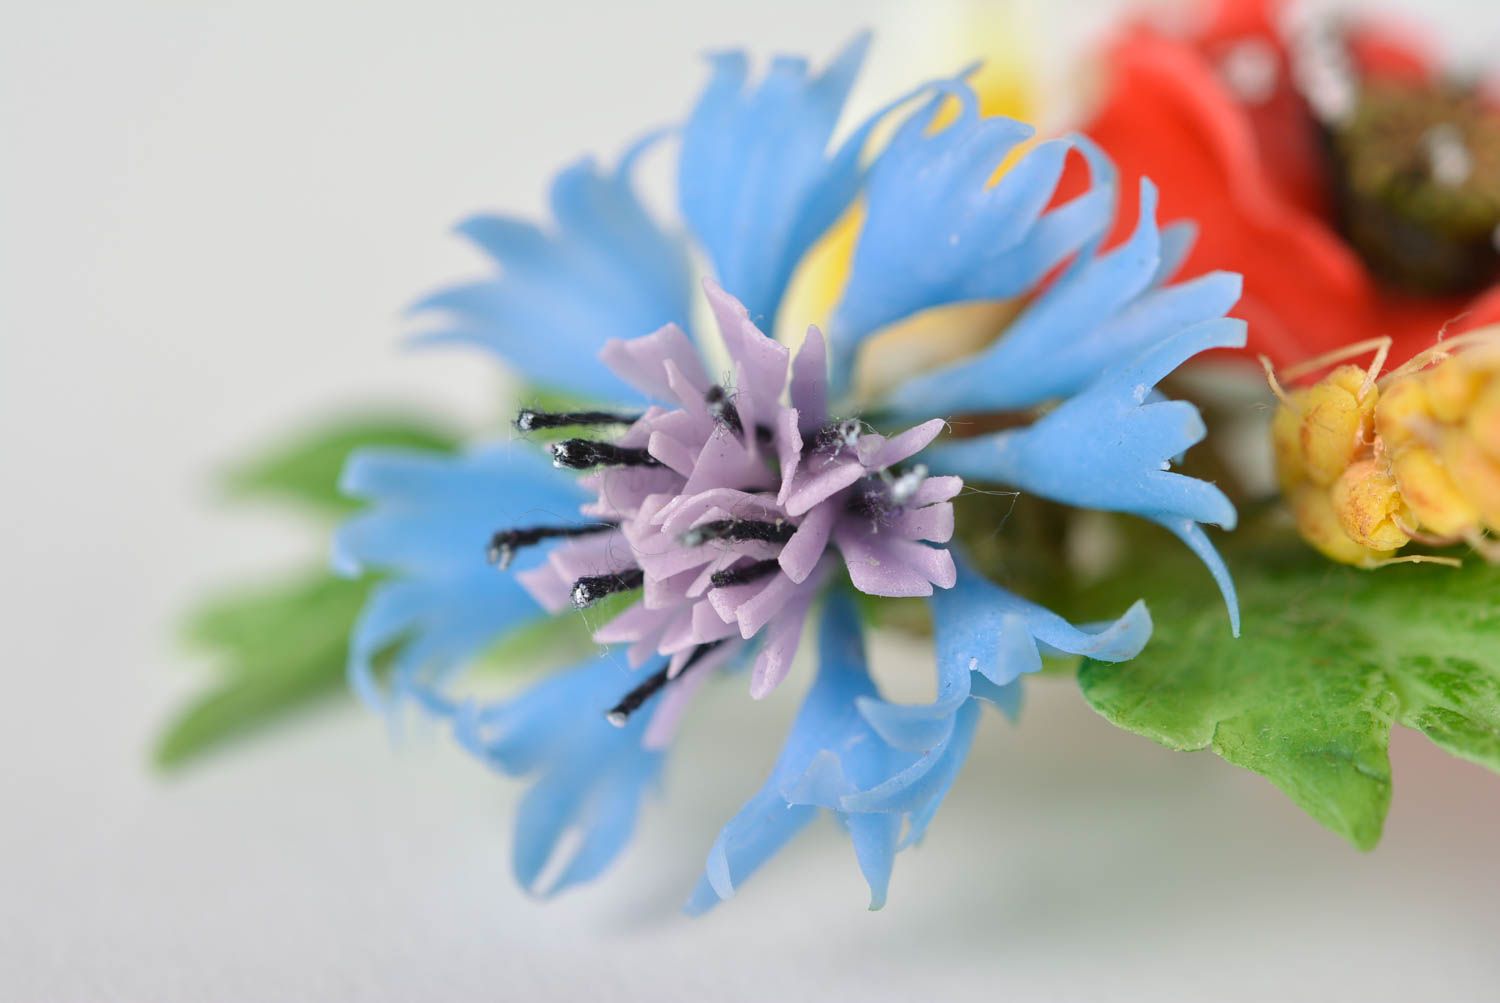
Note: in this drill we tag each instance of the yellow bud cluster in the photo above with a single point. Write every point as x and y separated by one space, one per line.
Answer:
1369 467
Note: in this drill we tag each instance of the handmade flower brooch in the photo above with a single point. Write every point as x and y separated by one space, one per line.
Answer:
731 488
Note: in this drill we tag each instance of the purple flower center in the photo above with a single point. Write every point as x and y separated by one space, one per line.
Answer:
729 509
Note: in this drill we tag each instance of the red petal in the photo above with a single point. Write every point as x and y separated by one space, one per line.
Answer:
1416 322
1168 117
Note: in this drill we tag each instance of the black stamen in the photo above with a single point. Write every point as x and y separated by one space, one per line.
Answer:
882 496
591 588
870 499
744 573
834 436
619 714
530 421
581 454
739 529
505 543
723 409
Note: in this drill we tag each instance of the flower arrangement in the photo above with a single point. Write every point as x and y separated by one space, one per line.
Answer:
699 475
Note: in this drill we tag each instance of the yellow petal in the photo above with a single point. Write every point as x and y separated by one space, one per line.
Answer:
1452 386
1319 525
1402 414
1477 473
1368 504
1484 420
1428 488
1336 423
1286 441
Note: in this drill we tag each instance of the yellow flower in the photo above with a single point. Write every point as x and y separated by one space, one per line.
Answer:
1369 466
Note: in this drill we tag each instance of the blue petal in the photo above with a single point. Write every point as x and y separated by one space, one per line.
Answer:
986 638
1177 241
1110 447
937 232
756 181
918 789
753 836
590 775
982 628
876 839
1107 307
1007 699
1190 533
928 745
428 524
830 752
928 795
606 271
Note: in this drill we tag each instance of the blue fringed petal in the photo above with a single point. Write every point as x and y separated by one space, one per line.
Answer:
938 233
756 181
918 789
1107 307
982 627
590 775
607 270
936 739
1177 241
1110 448
986 639
430 520
831 752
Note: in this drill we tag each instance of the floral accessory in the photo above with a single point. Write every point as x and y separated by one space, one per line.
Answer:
984 373
733 504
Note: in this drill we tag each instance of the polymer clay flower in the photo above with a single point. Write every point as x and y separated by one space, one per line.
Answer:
1353 184
727 487
1371 463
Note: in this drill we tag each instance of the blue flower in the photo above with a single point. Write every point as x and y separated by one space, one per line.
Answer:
738 505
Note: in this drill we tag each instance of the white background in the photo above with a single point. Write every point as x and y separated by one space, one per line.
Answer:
211 213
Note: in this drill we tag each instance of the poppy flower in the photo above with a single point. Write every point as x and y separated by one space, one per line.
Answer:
1354 185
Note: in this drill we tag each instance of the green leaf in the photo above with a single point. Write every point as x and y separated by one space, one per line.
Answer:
284 647
280 647
305 468
1330 657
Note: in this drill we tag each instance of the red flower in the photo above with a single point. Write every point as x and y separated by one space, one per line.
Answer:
1214 118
